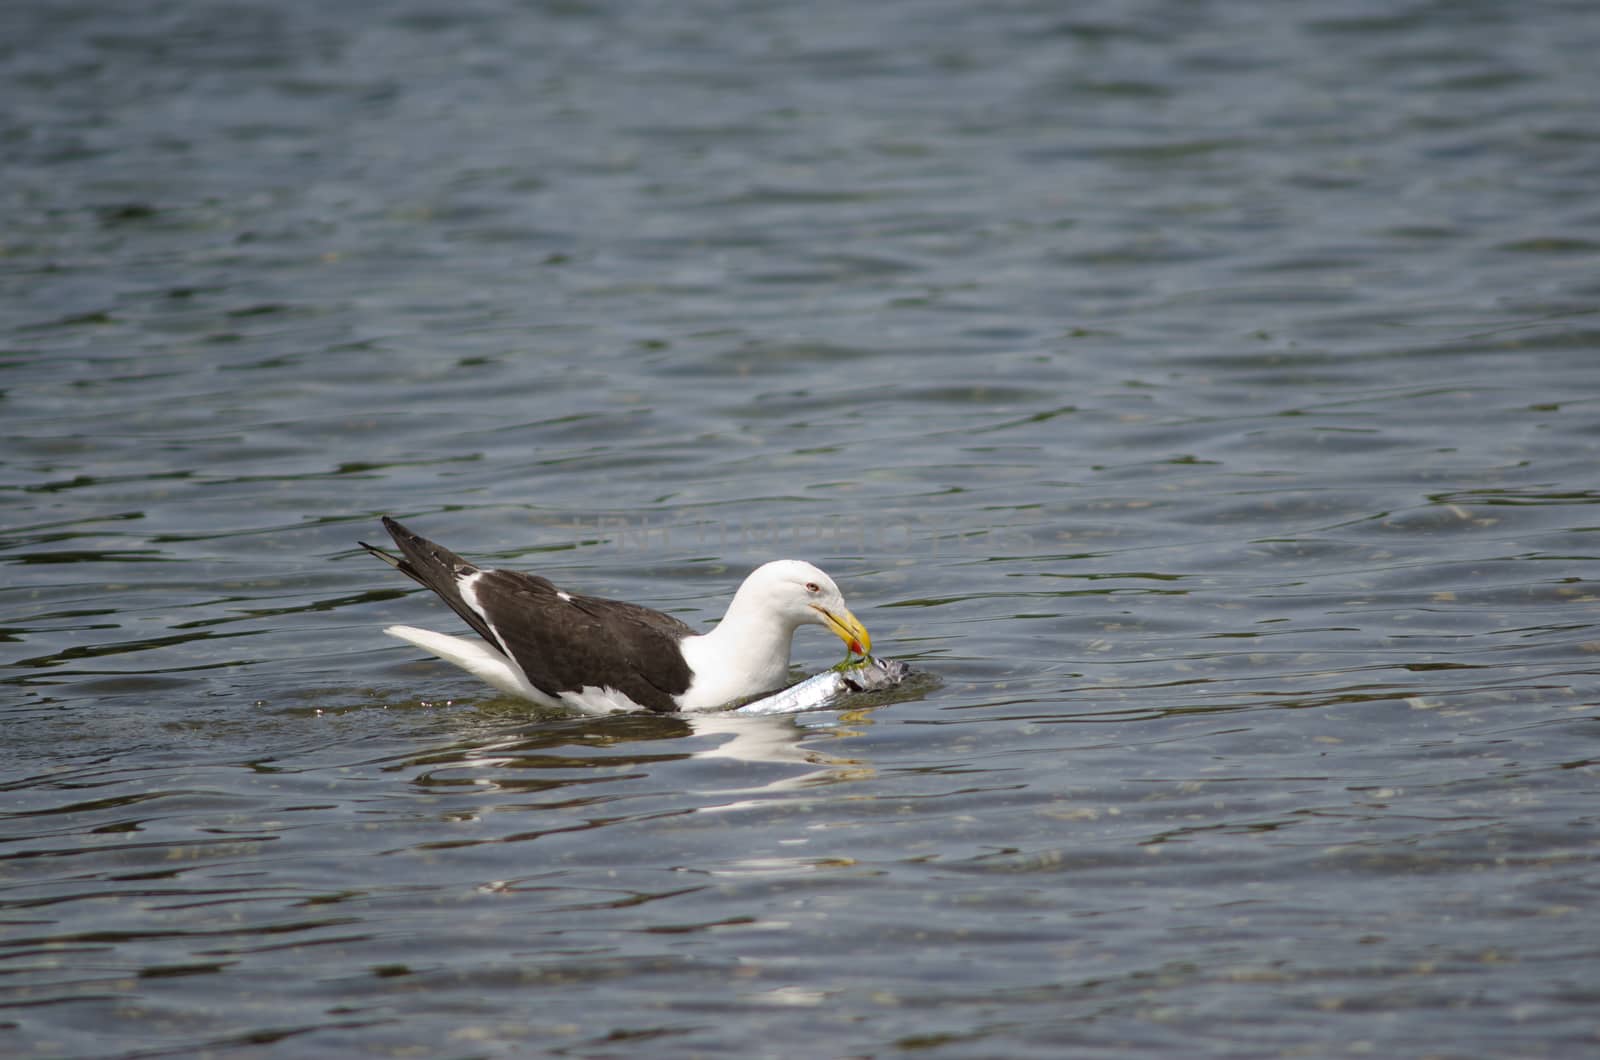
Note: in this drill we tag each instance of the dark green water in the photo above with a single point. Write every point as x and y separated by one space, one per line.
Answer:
1203 396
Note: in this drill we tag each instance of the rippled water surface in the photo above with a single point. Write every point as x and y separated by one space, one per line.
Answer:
1204 397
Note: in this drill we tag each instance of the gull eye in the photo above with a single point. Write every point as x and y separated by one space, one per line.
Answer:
813 587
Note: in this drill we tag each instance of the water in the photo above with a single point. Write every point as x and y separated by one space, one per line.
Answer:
1202 396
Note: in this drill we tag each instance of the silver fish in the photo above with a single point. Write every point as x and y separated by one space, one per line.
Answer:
815 693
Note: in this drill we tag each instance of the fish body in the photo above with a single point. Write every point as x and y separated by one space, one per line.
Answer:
815 693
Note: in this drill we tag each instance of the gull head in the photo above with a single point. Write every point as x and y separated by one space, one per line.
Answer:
801 595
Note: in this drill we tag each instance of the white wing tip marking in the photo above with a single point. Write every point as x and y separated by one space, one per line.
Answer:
468 588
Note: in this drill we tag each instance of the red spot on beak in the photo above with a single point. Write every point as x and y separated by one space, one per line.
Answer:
855 646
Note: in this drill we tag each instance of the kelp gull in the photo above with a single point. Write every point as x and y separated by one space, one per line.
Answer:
563 649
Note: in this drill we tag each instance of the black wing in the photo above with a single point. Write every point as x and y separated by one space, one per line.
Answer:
562 644
565 645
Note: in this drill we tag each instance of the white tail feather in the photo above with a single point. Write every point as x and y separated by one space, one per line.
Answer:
475 657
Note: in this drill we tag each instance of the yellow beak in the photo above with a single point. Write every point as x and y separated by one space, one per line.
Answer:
847 628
